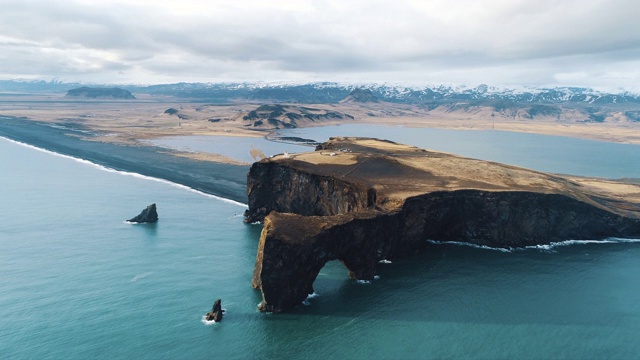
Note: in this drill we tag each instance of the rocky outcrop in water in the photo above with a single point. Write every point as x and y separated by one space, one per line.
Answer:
148 215
364 200
216 312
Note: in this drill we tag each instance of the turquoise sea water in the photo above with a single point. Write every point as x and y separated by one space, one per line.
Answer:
77 282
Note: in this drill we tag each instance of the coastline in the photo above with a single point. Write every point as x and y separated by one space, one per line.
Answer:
128 122
115 135
623 133
226 181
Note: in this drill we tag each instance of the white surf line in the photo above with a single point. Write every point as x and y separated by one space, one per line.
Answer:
549 246
127 173
476 246
611 240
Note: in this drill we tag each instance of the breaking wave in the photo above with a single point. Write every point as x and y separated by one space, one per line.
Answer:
307 301
546 247
582 242
461 243
207 322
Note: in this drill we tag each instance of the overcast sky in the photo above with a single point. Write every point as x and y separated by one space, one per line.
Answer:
498 42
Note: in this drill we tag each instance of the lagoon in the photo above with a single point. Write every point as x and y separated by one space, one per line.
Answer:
555 154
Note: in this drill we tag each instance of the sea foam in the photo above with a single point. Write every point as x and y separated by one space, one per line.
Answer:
207 322
552 245
461 243
545 247
307 301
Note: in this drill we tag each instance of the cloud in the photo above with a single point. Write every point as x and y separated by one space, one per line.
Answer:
495 41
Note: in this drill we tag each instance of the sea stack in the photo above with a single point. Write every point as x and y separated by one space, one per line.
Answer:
362 200
216 312
148 215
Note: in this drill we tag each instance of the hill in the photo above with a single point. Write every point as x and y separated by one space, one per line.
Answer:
99 92
289 116
360 95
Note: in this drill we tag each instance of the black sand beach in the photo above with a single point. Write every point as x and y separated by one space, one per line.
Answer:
224 180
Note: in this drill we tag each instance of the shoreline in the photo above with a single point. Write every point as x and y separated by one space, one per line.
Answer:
127 122
123 148
604 132
122 172
222 180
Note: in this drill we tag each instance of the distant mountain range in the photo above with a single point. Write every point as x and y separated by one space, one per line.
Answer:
333 93
328 92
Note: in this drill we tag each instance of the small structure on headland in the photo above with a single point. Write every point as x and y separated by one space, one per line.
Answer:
216 312
148 215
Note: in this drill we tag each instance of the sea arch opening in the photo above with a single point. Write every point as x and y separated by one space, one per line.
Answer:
331 281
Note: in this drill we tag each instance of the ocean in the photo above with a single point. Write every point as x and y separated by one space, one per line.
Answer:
78 282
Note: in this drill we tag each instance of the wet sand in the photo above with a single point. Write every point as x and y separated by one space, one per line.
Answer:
220 179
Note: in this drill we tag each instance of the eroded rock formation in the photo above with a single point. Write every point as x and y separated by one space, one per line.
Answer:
364 200
216 312
148 215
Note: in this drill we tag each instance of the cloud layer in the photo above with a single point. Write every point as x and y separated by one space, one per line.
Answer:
510 42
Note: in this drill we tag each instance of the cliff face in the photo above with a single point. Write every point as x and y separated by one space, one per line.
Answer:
363 213
277 187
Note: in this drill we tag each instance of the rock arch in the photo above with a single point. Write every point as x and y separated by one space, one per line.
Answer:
289 261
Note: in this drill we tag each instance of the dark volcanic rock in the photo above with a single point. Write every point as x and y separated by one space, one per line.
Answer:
216 312
148 215
382 200
93 93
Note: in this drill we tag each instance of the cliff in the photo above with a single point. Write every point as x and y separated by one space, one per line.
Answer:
363 200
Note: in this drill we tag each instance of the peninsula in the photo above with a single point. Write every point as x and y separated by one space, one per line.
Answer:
362 200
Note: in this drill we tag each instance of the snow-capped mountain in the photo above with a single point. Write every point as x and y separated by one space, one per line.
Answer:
331 92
